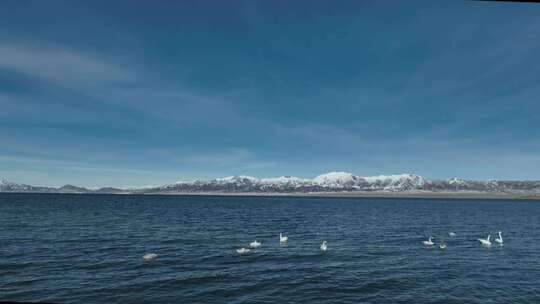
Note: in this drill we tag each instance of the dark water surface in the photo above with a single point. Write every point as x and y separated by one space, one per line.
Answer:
89 248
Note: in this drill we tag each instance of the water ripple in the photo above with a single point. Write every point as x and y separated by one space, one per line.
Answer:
89 248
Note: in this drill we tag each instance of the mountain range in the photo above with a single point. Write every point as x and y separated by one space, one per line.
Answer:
329 182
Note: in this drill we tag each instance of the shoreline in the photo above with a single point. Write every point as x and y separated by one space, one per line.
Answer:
437 195
352 194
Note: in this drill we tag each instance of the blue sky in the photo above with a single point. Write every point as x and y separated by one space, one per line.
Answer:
130 93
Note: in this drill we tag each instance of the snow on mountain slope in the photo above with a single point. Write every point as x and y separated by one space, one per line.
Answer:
6 186
329 182
237 179
284 180
396 182
336 180
332 181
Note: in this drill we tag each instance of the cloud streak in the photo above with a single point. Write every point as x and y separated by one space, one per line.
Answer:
60 65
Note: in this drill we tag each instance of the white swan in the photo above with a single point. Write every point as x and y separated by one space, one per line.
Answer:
255 244
242 250
451 234
499 239
485 242
428 242
324 246
283 239
149 257
442 245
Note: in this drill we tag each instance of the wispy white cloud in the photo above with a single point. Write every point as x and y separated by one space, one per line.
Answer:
233 158
52 172
60 65
183 165
62 164
176 105
504 46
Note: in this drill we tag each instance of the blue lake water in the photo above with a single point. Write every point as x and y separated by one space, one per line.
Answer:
89 248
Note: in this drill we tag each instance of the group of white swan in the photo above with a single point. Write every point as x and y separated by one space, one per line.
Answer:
442 244
484 242
253 245
430 242
487 242
283 240
324 245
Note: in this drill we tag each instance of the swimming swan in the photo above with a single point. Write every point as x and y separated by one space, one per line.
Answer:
442 245
283 239
149 257
485 242
324 246
428 242
255 244
451 234
242 250
499 239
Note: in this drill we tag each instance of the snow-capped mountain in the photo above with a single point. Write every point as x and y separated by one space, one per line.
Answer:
343 181
6 186
329 182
